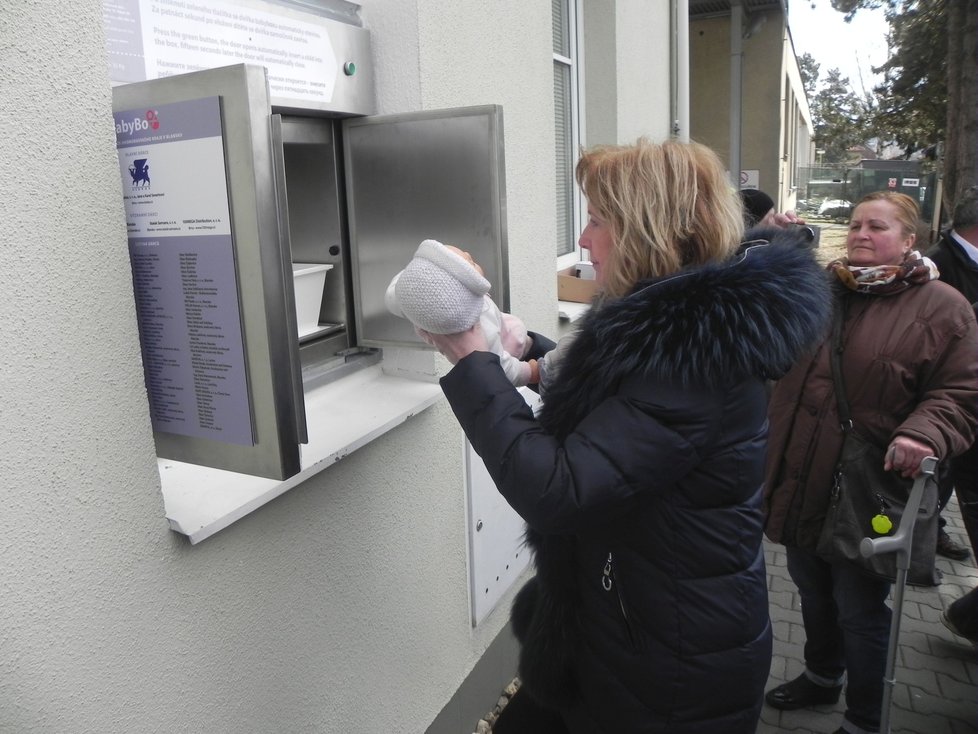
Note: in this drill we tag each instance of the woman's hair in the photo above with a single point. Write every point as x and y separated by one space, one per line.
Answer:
669 205
907 211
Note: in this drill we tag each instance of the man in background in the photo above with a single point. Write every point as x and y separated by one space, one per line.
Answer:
956 256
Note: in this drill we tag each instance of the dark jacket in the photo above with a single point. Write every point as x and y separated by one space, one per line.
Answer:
910 363
641 487
957 269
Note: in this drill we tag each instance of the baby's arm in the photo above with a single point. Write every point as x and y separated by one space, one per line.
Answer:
512 330
500 329
518 372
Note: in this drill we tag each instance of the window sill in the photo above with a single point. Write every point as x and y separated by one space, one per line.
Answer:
571 310
200 501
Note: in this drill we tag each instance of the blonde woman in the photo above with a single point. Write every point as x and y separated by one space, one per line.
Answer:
640 482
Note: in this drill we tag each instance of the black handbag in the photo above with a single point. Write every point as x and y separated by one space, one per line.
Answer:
868 502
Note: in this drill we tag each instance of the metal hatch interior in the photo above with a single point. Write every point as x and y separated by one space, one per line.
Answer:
398 179
426 175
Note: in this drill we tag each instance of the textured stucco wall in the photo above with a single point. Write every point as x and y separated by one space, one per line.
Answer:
627 70
339 607
643 70
600 58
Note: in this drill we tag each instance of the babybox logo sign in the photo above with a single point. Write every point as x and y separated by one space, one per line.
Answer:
191 119
135 125
139 171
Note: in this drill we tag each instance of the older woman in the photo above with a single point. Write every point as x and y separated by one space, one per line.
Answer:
910 367
641 480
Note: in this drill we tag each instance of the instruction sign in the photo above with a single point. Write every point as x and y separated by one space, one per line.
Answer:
149 39
181 249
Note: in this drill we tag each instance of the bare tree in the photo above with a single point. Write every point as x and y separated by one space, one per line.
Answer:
960 70
961 140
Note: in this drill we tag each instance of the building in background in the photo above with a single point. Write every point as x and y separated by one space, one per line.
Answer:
747 101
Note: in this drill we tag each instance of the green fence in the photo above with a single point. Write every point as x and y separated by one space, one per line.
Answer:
826 192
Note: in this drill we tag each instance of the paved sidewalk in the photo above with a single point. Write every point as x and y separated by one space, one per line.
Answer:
936 689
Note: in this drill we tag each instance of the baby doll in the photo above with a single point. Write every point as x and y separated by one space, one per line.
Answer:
443 291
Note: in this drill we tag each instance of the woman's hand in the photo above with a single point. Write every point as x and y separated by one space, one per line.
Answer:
457 346
783 219
905 454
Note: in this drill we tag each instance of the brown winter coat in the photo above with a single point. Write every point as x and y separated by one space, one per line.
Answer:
910 365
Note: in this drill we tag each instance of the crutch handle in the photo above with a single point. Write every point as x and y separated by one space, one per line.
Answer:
903 537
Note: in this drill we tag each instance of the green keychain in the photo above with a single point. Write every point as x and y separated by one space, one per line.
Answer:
882 524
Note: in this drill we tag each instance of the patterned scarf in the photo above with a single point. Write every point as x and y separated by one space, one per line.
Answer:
885 280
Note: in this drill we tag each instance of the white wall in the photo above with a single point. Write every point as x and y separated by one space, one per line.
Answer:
627 70
643 69
339 607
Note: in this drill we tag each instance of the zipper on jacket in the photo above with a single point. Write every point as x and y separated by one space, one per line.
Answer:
608 584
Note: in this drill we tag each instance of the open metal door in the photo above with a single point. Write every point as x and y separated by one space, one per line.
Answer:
410 177
211 272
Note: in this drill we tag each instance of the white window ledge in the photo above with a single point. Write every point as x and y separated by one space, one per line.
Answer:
571 310
341 417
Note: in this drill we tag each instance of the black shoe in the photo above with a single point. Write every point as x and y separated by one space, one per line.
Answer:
949 549
801 693
949 623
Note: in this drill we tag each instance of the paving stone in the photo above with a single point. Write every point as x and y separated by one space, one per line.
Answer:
936 688
789 616
922 642
963 727
924 680
918 662
938 707
909 722
782 598
778 583
956 689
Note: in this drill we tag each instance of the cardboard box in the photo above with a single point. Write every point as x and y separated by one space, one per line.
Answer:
572 288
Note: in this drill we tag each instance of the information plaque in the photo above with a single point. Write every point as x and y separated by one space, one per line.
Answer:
149 39
181 247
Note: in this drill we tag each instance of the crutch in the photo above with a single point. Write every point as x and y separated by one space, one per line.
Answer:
898 543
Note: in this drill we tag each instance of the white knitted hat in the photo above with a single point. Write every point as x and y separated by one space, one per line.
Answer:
438 291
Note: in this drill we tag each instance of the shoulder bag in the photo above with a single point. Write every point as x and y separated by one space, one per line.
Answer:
868 502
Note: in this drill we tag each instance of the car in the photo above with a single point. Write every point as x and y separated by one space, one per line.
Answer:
835 209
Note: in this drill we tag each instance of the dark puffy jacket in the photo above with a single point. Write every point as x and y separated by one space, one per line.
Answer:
957 269
641 487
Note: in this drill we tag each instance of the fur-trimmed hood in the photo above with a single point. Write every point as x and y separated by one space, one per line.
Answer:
750 316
